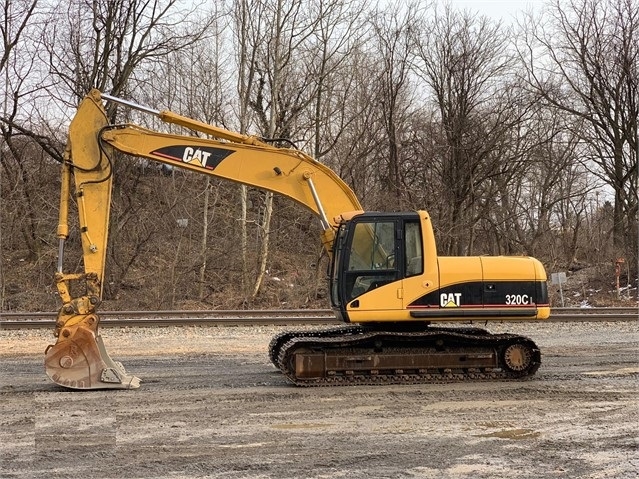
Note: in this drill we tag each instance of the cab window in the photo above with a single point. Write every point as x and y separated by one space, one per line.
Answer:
413 250
372 258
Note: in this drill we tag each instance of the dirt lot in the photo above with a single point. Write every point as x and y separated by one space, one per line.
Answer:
211 405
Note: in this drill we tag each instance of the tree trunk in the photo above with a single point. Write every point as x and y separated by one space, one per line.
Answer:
266 238
244 238
205 231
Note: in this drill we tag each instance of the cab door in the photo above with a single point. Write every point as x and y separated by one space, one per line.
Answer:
373 269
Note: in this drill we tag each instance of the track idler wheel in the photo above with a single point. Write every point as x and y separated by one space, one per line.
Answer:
518 357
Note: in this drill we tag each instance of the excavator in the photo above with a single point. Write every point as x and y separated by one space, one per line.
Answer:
386 280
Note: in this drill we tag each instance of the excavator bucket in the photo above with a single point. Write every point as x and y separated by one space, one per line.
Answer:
79 360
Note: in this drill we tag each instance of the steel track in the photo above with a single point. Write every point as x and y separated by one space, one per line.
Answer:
26 320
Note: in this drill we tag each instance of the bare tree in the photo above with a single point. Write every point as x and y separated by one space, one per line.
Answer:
105 42
465 63
17 14
200 96
84 44
359 147
393 33
583 60
275 84
544 204
18 160
340 31
247 27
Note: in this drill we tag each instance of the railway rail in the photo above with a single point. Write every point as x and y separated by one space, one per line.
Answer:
32 320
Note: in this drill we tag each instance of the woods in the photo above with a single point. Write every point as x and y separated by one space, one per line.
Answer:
518 137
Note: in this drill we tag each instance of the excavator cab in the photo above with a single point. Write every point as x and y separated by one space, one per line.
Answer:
371 251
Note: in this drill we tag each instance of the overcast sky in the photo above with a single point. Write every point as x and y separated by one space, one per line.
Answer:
498 9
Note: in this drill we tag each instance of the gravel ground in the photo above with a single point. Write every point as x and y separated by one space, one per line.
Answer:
211 405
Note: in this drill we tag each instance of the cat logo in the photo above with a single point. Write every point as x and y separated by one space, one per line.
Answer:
207 157
450 300
196 155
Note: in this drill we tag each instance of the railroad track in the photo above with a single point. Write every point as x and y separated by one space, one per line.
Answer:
297 317
179 318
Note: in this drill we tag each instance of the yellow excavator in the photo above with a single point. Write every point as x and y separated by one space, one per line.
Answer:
385 277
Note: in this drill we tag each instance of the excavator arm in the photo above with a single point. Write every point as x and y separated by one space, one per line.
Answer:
79 359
